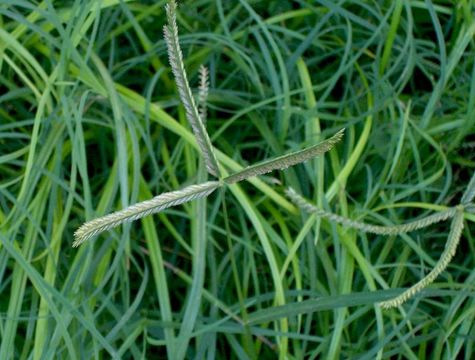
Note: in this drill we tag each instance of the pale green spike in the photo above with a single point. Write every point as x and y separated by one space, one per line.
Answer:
449 252
469 193
192 113
375 229
139 210
285 161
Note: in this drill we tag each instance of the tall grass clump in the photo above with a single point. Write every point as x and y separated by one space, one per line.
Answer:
193 153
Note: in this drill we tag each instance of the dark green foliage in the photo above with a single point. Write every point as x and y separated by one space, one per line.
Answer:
90 123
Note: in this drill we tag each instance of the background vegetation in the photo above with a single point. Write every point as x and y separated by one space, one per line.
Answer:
90 122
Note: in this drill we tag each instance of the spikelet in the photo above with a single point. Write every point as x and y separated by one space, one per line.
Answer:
192 113
446 257
203 94
469 193
375 229
449 252
285 161
139 210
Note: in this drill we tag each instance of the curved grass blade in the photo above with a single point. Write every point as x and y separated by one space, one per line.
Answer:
469 193
449 252
139 210
285 161
375 229
176 61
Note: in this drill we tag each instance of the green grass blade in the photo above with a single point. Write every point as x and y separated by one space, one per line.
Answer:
159 275
55 298
363 140
193 303
51 270
388 46
256 220
317 304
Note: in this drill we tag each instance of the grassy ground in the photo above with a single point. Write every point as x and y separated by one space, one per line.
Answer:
90 122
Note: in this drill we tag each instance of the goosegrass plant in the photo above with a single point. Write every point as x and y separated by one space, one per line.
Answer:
91 122
197 119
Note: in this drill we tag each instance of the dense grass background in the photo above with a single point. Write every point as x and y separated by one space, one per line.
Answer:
90 122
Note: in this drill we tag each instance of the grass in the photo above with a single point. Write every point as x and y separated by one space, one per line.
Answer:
90 123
